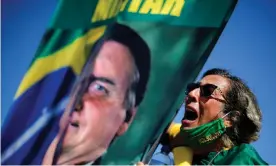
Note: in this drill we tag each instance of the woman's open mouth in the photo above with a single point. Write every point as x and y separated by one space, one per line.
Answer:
189 117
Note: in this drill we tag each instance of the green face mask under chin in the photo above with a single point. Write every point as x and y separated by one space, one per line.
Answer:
203 135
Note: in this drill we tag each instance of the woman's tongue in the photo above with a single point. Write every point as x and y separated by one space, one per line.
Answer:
189 118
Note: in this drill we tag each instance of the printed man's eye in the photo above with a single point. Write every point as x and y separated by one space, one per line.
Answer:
97 89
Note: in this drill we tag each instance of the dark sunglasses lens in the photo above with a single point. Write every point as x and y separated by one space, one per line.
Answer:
191 87
207 90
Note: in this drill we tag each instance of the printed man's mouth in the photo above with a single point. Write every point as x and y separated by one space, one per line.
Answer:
74 124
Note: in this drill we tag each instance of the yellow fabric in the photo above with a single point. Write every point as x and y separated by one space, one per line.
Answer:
183 156
174 129
75 58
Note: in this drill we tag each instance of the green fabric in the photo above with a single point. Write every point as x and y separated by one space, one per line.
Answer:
56 39
195 13
203 135
72 14
244 154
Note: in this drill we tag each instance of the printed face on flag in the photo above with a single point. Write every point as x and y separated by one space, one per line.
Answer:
116 83
105 104
103 113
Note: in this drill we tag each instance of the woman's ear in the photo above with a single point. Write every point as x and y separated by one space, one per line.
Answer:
227 123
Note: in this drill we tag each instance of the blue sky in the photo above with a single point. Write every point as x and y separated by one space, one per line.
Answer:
246 48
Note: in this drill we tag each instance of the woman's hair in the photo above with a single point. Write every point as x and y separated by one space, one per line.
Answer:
245 114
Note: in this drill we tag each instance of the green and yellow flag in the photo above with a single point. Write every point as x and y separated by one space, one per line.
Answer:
180 34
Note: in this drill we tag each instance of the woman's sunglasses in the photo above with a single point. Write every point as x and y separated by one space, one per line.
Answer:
205 90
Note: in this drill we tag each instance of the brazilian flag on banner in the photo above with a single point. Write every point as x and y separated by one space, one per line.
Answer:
180 34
